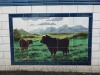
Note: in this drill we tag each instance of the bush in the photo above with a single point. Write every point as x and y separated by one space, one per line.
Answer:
29 36
82 34
17 35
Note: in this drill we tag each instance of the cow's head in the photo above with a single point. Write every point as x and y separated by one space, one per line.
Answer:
43 40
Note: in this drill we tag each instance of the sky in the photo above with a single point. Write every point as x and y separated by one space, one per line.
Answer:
31 23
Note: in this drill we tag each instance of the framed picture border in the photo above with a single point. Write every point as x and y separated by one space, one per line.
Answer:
90 15
48 2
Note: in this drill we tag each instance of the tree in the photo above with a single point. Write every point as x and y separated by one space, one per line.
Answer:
17 35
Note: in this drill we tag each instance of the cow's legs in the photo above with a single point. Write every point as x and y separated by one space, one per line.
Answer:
63 52
67 51
54 52
22 49
51 52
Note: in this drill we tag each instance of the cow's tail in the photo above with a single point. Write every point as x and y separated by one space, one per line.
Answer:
68 46
68 50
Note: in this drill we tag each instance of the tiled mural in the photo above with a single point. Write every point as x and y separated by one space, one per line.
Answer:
55 39
22 56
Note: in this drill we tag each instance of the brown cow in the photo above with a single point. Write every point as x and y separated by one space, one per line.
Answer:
24 44
55 44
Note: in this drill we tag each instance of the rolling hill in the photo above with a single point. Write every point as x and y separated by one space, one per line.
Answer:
23 32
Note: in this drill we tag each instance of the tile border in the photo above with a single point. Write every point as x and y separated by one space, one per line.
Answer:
90 15
47 2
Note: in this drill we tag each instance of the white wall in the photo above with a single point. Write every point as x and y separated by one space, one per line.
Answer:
5 57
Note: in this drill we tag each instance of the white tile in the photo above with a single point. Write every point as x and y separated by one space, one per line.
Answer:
2 62
8 61
3 17
49 68
4 32
0 40
0 10
96 54
6 40
96 24
69 8
95 62
9 9
95 40
5 62
12 67
96 16
99 62
54 9
0 25
83 68
85 8
96 32
96 8
23 9
29 68
2 68
95 69
7 55
1 55
38 9
95 47
5 47
5 25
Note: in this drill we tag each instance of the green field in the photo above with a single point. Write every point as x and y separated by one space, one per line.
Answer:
78 50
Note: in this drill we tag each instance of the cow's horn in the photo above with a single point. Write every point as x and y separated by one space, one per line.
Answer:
44 35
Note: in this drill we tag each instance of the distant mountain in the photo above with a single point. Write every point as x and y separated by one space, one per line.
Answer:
22 31
50 30
67 29
79 28
62 29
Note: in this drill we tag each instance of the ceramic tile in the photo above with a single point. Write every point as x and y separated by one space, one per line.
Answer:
86 8
24 9
7 55
69 8
39 9
95 47
54 9
1 55
96 8
9 9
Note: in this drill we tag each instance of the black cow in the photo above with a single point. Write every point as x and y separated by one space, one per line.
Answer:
30 41
55 44
24 44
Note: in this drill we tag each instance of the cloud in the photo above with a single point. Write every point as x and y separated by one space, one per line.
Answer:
46 23
55 19
35 18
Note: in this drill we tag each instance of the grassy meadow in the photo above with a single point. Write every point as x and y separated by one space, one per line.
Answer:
78 49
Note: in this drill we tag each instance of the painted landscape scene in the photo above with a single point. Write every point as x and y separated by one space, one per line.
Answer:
52 39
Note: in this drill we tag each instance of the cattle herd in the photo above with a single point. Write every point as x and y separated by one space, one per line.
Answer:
53 44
